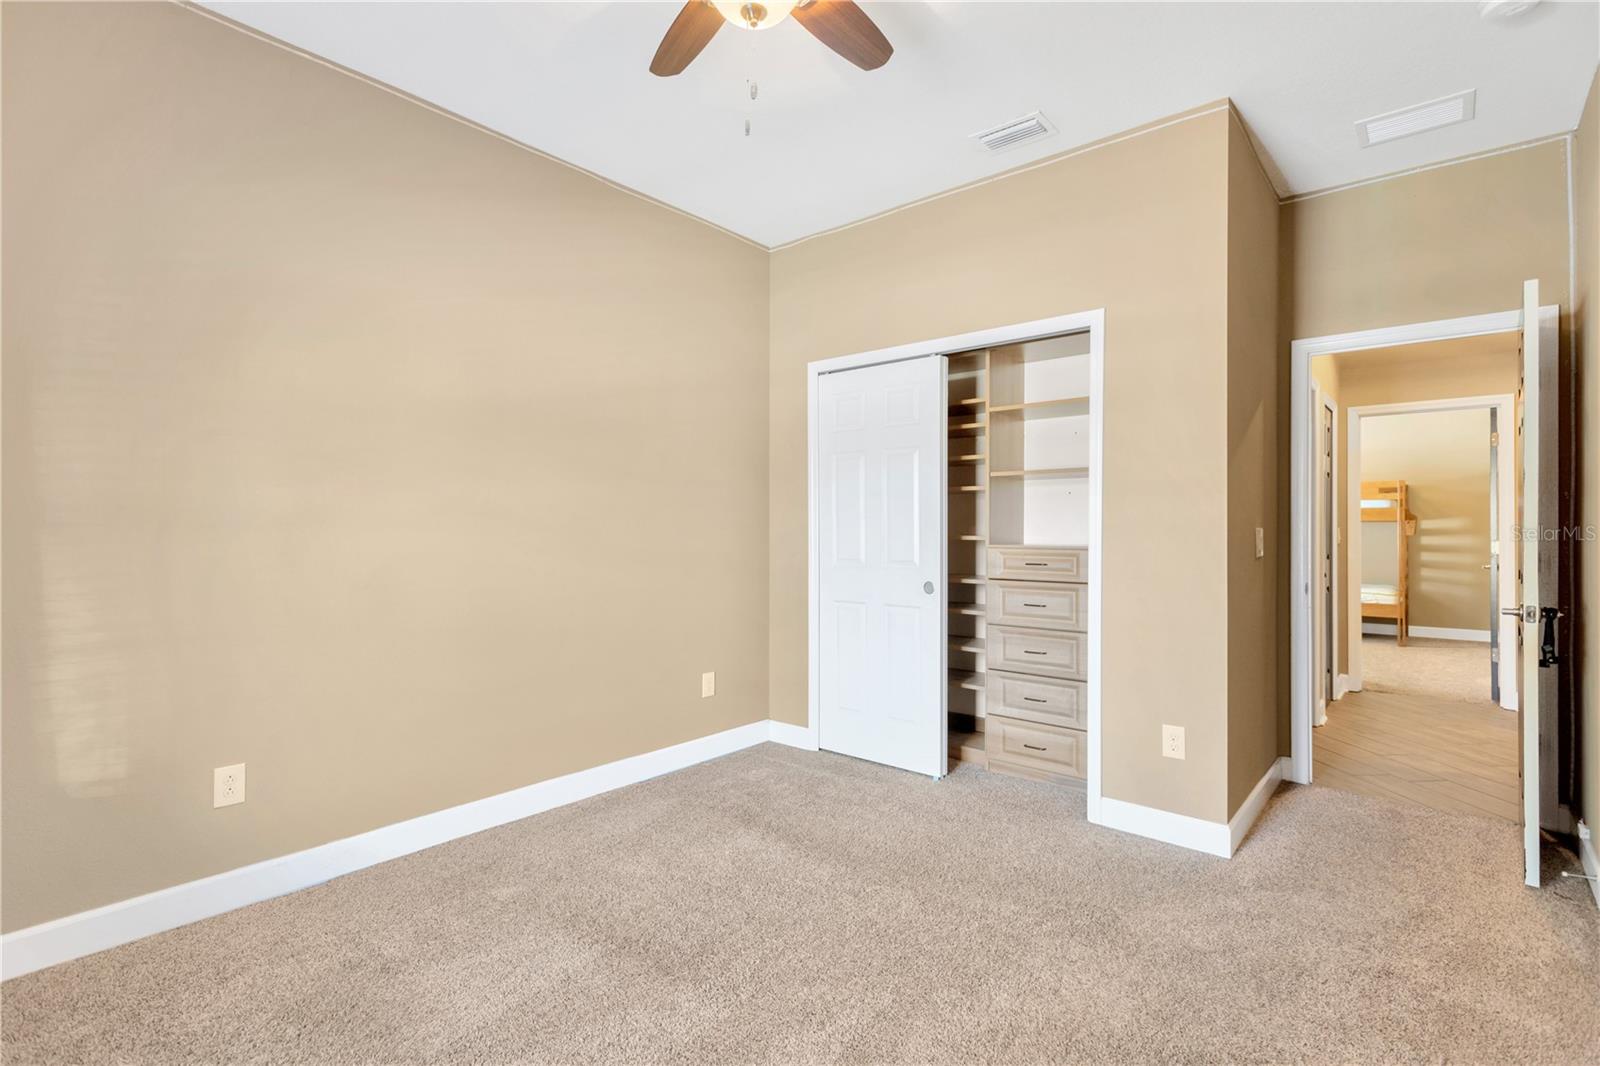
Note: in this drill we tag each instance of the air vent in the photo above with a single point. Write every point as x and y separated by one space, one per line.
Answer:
1446 111
1017 131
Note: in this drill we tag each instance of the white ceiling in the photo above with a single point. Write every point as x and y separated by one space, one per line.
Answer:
831 144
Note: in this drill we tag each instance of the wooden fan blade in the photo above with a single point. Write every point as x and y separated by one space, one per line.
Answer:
690 32
845 28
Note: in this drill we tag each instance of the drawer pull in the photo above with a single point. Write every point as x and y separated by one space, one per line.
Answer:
1030 651
1033 699
1034 747
1026 604
1035 564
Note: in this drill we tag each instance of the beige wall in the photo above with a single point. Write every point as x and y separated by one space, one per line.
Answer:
1254 388
1487 365
1443 457
348 442
1586 318
1140 228
1451 241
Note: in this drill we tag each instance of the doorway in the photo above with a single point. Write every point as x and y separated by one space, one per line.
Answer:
1418 720
1531 407
1432 495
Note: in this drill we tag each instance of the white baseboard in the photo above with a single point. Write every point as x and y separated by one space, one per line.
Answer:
85 933
1341 685
1256 802
1386 629
796 736
1197 834
1590 860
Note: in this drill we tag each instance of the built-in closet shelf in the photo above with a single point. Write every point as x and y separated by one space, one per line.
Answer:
969 579
1050 471
967 428
962 407
973 537
968 747
974 458
969 680
977 610
1057 408
968 488
970 645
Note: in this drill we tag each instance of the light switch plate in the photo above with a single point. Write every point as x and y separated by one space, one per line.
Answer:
1172 741
708 684
227 785
1261 542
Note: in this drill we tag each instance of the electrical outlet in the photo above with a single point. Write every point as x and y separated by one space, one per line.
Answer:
227 785
1261 542
1172 741
708 684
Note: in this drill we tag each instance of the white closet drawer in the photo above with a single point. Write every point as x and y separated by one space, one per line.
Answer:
1031 750
1039 564
1060 606
1038 699
1033 651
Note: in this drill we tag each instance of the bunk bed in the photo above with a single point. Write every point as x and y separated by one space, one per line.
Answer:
1386 501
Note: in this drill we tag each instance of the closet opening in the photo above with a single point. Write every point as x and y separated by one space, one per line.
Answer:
1012 646
1018 543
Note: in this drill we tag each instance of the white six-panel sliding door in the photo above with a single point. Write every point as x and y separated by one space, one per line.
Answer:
880 480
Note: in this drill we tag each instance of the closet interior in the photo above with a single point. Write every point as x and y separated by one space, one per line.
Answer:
1018 520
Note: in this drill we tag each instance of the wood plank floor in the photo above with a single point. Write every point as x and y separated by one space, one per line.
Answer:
1452 755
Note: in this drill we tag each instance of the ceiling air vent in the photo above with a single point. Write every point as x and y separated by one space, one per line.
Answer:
1446 111
1017 131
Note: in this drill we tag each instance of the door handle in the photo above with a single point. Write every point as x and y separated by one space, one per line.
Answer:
1527 614
1547 643
927 586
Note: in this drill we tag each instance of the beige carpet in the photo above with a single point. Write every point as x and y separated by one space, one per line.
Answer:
1454 669
784 906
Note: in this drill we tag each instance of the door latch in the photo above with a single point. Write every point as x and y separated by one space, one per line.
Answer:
1547 640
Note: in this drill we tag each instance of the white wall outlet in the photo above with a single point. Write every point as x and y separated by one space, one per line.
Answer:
1172 741
1261 542
708 684
227 785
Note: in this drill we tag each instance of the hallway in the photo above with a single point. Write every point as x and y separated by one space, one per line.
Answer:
1396 739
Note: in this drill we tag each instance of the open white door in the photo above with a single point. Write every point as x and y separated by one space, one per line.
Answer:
1537 563
881 527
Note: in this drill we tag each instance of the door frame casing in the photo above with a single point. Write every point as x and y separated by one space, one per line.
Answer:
1091 321
1302 450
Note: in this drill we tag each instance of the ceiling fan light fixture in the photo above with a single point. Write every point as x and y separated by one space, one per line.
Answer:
755 16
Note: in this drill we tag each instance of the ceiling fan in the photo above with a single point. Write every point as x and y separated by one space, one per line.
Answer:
839 24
